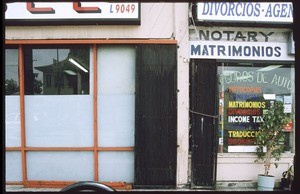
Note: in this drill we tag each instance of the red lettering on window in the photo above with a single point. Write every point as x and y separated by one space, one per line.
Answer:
39 10
77 7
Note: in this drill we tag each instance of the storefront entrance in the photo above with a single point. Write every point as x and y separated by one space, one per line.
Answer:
204 122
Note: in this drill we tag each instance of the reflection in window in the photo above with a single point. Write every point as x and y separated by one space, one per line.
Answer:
57 71
245 92
48 81
11 72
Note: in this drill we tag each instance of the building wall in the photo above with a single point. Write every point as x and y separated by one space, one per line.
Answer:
233 168
161 21
158 21
182 36
241 167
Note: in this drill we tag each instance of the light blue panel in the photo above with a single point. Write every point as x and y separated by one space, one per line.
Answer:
116 69
116 95
13 166
59 121
116 166
116 120
12 121
60 166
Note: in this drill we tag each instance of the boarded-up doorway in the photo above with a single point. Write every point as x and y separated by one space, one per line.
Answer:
204 123
156 116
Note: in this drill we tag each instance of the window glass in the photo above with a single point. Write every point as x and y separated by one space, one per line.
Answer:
11 72
57 70
116 95
63 116
13 166
246 90
60 166
12 99
112 161
59 120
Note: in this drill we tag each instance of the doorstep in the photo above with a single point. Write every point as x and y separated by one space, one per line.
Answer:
236 184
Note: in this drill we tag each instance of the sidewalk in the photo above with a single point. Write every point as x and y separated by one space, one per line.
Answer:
220 186
20 188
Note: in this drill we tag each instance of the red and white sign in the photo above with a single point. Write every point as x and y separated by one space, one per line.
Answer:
72 11
288 127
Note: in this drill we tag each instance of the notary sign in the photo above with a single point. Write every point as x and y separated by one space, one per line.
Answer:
226 43
47 13
254 12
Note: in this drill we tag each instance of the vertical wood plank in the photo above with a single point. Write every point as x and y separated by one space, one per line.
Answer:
22 111
95 108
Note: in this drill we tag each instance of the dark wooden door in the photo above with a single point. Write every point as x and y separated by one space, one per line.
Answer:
204 122
156 116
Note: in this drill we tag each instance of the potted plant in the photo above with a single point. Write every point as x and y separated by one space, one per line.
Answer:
287 149
270 142
287 178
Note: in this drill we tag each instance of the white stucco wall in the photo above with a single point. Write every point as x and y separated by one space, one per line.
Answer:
241 167
182 37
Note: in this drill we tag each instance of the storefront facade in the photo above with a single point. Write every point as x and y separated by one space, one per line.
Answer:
76 95
109 100
252 50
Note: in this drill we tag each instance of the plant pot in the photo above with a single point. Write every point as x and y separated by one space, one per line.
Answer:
285 184
265 183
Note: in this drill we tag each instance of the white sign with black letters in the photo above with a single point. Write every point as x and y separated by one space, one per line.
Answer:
239 50
272 12
240 43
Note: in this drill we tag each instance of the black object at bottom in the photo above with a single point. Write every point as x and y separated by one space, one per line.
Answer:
90 186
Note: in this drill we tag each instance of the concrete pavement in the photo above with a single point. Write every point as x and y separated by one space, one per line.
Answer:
20 188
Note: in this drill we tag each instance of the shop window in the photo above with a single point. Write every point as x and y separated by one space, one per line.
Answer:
58 98
13 162
245 91
68 66
116 110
